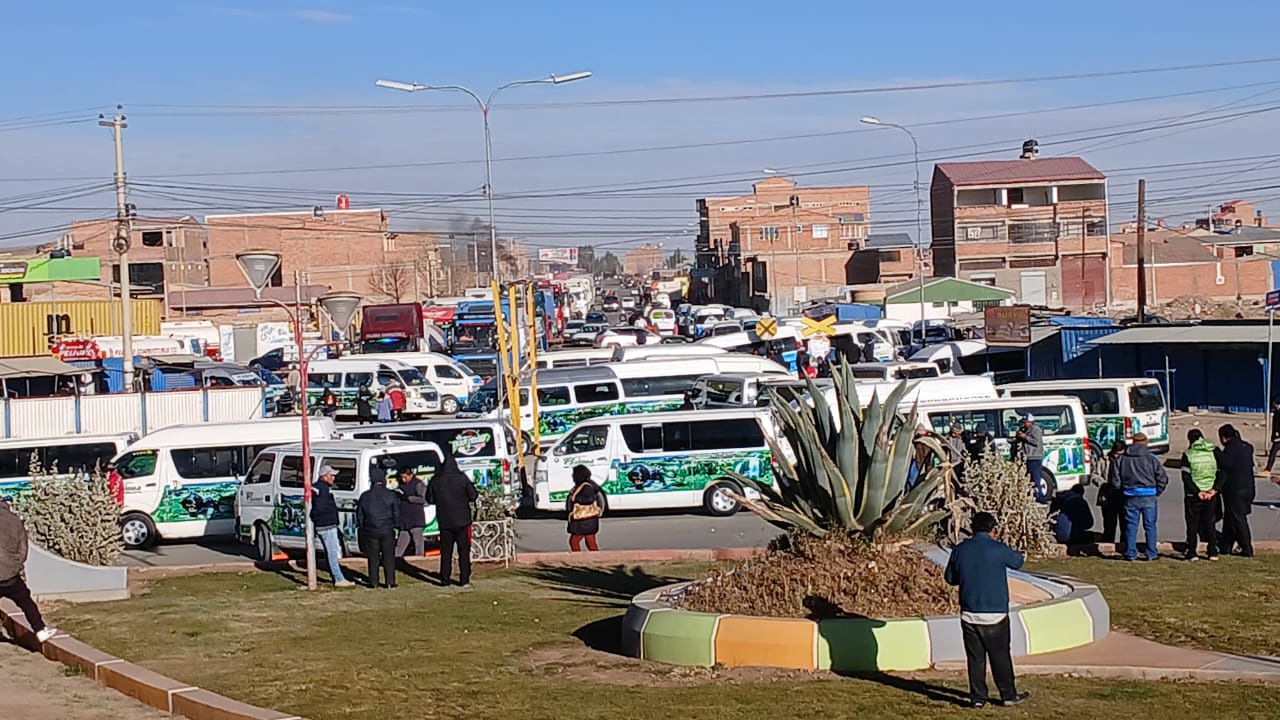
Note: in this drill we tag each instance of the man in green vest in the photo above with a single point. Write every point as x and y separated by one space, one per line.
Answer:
1200 501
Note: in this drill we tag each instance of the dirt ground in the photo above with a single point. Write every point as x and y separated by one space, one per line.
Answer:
38 689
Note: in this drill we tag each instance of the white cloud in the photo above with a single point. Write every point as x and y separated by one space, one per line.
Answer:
323 17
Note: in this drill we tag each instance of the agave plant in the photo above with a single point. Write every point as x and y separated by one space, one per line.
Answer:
851 466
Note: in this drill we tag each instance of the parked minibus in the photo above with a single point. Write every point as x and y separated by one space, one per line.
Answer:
1067 453
667 460
577 357
180 482
1114 408
894 371
59 455
269 506
782 347
741 389
485 448
346 376
645 352
452 380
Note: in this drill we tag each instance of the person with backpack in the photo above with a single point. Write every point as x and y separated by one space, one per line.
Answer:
1200 500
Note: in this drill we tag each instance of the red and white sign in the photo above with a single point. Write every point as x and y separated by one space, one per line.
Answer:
438 314
567 256
344 202
72 350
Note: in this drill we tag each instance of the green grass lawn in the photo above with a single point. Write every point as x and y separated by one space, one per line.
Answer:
1232 605
528 644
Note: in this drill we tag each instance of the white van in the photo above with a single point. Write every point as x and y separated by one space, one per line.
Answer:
661 460
1067 453
269 508
61 455
1114 408
739 390
180 482
894 371
579 357
930 391
666 350
663 320
346 376
485 449
451 379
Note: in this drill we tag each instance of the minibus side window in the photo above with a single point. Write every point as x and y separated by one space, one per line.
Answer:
552 396
447 371
208 462
82 458
1146 398
596 392
139 463
1097 401
583 440
346 467
16 462
322 380
291 471
726 434
358 379
260 471
969 421
386 377
1053 420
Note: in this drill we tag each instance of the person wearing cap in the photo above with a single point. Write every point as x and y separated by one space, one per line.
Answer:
413 513
1140 477
979 567
1031 445
377 517
324 516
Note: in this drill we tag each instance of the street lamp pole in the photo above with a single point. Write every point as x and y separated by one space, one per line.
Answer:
915 154
484 105
258 266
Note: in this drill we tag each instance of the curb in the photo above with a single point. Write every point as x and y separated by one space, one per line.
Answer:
145 686
1129 673
613 557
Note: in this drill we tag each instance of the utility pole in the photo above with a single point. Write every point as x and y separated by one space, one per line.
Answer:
1142 251
1084 232
120 244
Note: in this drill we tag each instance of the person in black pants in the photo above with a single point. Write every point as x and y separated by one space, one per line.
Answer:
13 558
452 492
979 567
1275 433
377 517
1236 486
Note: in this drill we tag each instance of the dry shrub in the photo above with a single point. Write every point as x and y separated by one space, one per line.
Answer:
75 516
1002 488
838 575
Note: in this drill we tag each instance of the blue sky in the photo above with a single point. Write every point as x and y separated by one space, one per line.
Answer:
162 59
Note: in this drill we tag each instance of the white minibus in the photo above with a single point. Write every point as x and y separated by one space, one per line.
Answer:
451 379
60 455
662 460
894 371
666 350
1114 408
346 376
269 506
578 357
738 390
180 482
484 448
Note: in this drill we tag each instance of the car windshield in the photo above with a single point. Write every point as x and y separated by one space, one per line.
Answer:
139 463
412 377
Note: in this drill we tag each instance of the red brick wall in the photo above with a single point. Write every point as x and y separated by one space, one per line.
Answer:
1248 277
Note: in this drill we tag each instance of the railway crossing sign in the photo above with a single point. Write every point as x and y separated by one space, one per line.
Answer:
766 328
825 326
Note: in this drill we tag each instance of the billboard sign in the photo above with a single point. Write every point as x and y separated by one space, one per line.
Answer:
1273 299
568 256
13 270
75 349
1008 325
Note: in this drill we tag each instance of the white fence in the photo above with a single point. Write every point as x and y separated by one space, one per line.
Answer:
127 412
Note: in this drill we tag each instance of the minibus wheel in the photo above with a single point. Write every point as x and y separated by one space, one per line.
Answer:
137 531
262 543
449 405
717 499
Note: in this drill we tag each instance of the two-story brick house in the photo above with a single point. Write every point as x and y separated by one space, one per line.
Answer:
1035 225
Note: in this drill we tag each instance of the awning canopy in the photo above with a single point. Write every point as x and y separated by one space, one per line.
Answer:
946 289
1234 334
28 367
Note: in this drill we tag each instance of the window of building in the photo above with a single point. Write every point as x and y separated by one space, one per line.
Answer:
988 264
1033 231
1088 191
988 279
1243 250
978 233
1014 196
769 232
821 232
1047 261
973 198
890 256
847 232
153 238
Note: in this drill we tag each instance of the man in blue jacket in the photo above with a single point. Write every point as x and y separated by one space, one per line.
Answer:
1140 478
979 567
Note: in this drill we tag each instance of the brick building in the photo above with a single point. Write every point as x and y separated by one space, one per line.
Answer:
1181 263
1235 214
888 259
779 238
640 260
1035 225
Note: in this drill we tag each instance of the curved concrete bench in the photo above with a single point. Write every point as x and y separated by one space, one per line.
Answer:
1066 613
53 577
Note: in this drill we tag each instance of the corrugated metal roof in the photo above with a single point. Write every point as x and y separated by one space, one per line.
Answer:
945 289
996 172
1186 334
38 366
889 241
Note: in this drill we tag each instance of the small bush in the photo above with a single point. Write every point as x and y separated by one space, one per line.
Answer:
1002 488
75 516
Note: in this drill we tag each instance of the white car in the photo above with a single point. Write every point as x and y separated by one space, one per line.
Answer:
628 302
626 336
586 334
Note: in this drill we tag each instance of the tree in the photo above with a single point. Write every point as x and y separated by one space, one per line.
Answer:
394 280
587 258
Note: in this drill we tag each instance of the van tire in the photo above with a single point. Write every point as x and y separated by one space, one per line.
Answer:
263 545
1050 485
716 503
449 405
137 531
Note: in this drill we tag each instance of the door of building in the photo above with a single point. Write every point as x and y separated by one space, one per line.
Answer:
1032 290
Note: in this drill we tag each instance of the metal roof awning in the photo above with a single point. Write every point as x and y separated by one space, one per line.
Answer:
945 289
1246 334
29 367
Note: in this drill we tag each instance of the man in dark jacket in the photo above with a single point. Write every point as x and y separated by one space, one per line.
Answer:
13 557
452 492
1275 433
413 513
1236 485
979 567
1140 478
377 517
324 516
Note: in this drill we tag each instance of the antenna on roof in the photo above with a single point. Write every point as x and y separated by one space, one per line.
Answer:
1030 150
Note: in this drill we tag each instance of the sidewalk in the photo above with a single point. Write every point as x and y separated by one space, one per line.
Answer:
1123 656
39 689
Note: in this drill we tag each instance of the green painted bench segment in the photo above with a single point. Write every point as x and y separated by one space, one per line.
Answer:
863 645
679 638
1056 626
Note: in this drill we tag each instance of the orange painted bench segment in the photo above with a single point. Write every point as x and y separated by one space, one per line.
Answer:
766 642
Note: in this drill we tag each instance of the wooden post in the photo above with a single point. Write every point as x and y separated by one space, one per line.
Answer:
1142 251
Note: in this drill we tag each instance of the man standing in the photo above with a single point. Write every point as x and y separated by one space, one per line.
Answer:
1275 433
324 515
1031 442
1140 478
377 516
979 567
13 557
452 492
413 513
957 450
1236 485
1200 499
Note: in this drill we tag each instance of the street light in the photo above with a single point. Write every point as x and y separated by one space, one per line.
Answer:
484 105
915 153
259 266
